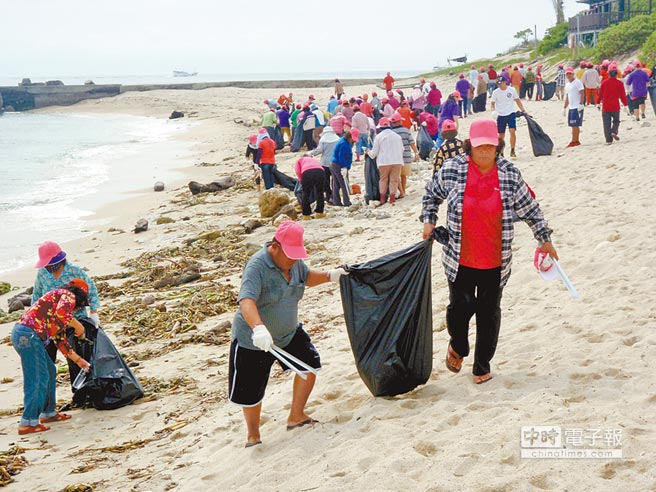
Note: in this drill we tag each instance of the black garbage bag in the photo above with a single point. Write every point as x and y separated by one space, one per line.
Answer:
424 143
541 142
278 138
388 313
652 96
522 89
297 139
549 89
84 348
283 180
110 383
480 102
371 180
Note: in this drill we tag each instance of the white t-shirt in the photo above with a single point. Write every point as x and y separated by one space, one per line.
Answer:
504 100
572 90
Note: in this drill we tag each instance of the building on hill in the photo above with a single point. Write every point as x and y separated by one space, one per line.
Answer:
586 25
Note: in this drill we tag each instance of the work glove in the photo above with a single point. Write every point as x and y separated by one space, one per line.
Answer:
424 124
95 319
495 115
262 338
344 172
335 274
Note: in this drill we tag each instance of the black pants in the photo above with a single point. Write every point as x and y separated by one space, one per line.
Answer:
308 139
529 89
611 121
312 183
475 292
326 184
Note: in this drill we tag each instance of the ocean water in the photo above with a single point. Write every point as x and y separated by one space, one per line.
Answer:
6 80
58 168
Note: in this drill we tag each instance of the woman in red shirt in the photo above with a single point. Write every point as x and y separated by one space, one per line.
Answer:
43 323
267 157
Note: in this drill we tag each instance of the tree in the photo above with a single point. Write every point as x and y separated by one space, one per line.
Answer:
560 11
523 35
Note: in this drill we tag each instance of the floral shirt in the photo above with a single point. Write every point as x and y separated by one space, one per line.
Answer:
50 315
46 282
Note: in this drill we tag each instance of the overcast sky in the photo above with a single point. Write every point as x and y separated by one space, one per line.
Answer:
121 37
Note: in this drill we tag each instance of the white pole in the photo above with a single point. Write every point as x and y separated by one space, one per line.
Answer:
566 281
293 359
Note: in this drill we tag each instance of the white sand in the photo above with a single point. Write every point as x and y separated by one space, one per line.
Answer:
585 364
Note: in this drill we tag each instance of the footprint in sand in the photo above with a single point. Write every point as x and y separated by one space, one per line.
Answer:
630 341
586 362
609 470
453 420
595 338
427 449
541 482
332 395
409 404
338 474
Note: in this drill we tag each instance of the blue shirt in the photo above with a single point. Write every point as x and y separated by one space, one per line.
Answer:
276 299
332 104
45 282
343 153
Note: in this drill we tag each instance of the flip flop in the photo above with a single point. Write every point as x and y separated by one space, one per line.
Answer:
32 429
58 417
450 353
302 424
251 444
483 378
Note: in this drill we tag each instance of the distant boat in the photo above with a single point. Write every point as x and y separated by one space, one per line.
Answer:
181 73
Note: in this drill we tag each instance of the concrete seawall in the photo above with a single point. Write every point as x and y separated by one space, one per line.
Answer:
23 98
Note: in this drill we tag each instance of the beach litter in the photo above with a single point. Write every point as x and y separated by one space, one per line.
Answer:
12 462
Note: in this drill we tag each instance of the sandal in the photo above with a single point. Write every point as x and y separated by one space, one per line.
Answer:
31 429
453 360
58 417
483 378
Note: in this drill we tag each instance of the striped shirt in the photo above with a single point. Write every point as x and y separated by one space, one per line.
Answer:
449 185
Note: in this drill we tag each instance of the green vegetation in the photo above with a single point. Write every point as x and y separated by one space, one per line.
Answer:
554 38
649 51
625 36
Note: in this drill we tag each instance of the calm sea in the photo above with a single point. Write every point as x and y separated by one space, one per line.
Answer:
56 169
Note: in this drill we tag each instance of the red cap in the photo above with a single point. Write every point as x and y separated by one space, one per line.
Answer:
311 97
80 284
384 100
473 67
374 94
290 236
355 134
356 106
252 139
448 126
483 132
521 65
384 122
461 75
396 118
456 94
48 251
583 63
569 70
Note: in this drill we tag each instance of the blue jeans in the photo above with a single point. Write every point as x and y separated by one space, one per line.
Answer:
362 143
39 375
267 175
438 139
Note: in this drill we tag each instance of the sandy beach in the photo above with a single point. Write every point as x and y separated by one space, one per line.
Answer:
582 364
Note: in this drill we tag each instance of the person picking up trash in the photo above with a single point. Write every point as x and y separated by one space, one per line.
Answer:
482 189
273 283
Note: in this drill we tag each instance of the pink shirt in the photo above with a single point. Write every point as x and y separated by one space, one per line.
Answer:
337 123
305 164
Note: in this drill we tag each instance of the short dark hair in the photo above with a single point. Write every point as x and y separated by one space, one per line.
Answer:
467 147
81 297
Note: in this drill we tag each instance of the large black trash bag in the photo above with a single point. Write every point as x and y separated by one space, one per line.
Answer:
278 138
541 142
84 348
652 96
549 89
388 313
297 139
480 102
110 383
371 179
424 143
283 180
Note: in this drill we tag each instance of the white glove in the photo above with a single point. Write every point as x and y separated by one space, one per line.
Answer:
96 320
256 168
344 172
262 338
424 124
335 274
495 115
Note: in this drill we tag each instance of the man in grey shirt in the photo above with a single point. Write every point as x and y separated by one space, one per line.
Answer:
273 282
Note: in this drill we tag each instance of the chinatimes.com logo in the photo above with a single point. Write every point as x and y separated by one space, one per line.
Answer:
555 442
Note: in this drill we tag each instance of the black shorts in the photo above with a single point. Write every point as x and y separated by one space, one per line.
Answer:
249 369
639 100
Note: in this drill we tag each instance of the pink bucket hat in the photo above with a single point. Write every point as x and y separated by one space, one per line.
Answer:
384 123
49 251
355 134
483 132
396 118
290 236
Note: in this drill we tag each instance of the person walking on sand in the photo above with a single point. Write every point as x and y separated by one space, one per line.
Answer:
539 83
283 123
267 150
361 122
339 89
388 152
639 81
340 163
516 79
591 81
45 323
492 76
272 284
388 82
529 80
410 153
481 190
433 100
462 86
326 146
560 83
448 111
503 100
611 93
574 96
